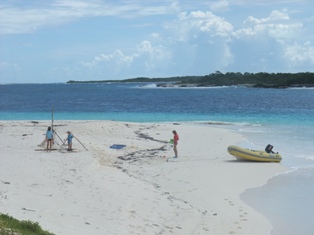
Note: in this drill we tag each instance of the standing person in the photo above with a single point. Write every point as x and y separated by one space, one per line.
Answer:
69 139
49 138
175 143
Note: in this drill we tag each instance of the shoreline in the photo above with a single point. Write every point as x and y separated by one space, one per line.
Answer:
292 213
99 191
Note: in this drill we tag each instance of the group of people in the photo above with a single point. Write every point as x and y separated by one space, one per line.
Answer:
49 139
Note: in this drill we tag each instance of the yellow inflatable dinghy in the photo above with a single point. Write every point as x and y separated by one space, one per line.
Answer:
253 155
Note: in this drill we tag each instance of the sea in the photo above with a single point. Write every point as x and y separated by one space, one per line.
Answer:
281 117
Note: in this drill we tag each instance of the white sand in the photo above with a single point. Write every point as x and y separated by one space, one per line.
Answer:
97 192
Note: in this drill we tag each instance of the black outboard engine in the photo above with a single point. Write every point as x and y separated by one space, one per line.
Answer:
269 148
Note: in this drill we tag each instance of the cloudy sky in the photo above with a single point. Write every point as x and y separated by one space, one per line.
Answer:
60 40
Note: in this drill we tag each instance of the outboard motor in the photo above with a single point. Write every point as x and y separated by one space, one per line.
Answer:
269 148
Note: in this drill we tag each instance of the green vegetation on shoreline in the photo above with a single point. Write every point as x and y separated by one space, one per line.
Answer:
12 226
261 80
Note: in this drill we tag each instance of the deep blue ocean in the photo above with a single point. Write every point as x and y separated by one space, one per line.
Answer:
281 117
146 102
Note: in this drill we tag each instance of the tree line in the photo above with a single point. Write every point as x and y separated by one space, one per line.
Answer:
218 78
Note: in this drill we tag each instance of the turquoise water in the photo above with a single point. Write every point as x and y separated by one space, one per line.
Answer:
281 117
117 101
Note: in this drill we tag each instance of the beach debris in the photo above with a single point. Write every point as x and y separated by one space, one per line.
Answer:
117 146
5 182
147 137
25 209
26 134
134 156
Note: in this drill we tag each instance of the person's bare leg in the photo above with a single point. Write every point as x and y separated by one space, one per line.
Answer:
175 150
50 144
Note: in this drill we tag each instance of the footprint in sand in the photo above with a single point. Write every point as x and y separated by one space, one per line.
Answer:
230 202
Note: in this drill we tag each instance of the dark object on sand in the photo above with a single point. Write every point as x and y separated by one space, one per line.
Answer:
117 146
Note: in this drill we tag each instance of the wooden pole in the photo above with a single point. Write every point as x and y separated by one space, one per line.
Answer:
52 119
62 145
58 136
80 142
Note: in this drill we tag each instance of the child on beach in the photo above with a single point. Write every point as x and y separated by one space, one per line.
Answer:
49 138
69 139
175 143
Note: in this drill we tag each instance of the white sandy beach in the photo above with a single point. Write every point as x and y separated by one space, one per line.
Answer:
134 190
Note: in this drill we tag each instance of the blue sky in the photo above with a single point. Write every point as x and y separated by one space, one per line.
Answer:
61 40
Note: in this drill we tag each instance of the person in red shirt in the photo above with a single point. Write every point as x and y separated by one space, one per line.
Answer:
175 143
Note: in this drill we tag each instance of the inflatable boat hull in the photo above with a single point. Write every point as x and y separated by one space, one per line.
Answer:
253 155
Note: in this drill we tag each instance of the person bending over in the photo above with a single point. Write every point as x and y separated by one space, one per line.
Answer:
69 139
175 143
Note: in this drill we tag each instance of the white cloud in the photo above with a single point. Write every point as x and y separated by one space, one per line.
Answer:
274 43
189 26
276 26
154 57
76 4
206 38
221 5
16 20
117 59
298 54
266 2
274 16
203 35
145 56
284 31
178 38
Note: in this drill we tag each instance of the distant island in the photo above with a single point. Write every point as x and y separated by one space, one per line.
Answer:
254 80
